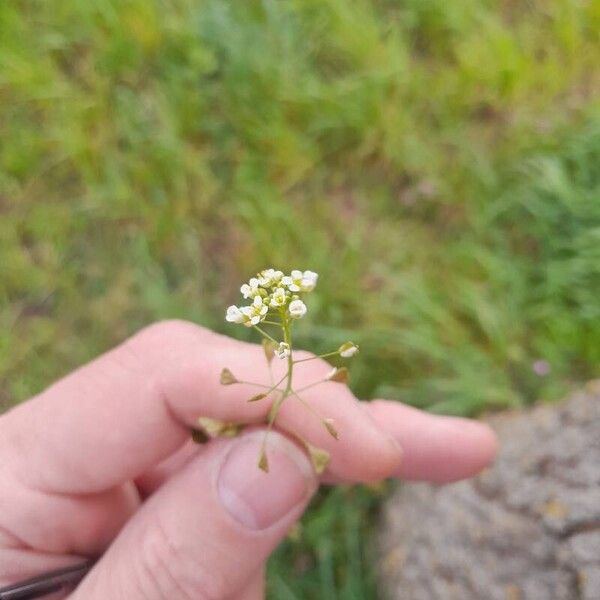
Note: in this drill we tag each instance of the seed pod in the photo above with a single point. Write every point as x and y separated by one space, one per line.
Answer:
227 377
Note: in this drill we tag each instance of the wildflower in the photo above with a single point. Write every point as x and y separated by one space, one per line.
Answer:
309 281
297 309
269 277
283 350
292 281
281 294
348 349
254 313
278 298
250 289
299 281
541 368
234 315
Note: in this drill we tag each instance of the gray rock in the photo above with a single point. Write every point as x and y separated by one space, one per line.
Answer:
527 529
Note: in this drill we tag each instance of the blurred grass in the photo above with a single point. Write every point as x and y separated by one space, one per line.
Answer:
438 163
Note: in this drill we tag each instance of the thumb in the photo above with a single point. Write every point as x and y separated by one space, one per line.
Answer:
206 533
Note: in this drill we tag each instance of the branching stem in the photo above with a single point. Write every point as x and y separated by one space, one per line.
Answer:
310 385
265 334
326 355
308 406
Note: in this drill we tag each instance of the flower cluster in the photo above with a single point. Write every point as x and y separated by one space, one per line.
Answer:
271 290
279 297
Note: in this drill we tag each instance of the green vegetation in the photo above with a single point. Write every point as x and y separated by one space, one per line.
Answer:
438 163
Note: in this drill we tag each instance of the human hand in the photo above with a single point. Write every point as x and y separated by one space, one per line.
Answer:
101 463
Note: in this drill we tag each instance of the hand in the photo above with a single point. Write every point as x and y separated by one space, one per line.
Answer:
102 463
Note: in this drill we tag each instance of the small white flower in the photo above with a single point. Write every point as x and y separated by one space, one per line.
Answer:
255 313
290 283
348 349
234 315
249 317
297 309
250 289
278 298
259 306
298 281
283 350
269 277
309 281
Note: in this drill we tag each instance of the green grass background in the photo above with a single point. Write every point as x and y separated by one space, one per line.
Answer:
438 163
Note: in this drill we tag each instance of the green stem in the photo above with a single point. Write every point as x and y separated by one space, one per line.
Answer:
308 406
310 385
272 414
260 385
265 334
287 338
263 386
326 355
276 385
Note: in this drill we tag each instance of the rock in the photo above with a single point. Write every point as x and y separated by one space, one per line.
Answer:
527 529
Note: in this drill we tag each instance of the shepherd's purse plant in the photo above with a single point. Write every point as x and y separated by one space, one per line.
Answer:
276 301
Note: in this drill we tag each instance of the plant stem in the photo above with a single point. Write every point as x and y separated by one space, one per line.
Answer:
287 338
262 385
308 406
276 385
307 387
265 334
326 355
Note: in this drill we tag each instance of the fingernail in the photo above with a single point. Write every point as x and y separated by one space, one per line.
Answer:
257 499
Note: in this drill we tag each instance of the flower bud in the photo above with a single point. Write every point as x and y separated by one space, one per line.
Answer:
283 350
297 309
348 349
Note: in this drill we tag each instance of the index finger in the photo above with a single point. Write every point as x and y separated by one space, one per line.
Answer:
126 411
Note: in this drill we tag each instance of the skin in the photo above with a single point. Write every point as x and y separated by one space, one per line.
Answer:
100 463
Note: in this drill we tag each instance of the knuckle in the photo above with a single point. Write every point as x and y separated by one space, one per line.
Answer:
169 329
167 570
163 340
317 367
